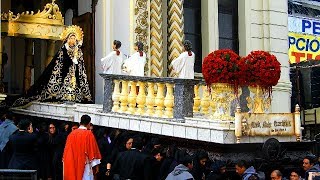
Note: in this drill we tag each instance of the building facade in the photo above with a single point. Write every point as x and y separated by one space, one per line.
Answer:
162 25
243 26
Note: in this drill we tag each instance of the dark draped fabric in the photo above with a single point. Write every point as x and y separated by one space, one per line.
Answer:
56 83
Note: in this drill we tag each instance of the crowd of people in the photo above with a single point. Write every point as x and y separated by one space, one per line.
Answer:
55 150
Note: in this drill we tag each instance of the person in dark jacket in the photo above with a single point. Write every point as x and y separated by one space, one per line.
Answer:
132 164
245 171
43 152
181 172
310 166
170 158
23 144
199 165
122 143
218 171
105 146
61 140
155 162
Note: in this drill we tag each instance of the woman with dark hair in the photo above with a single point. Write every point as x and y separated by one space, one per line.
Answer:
184 64
199 170
123 143
112 63
170 158
65 78
134 66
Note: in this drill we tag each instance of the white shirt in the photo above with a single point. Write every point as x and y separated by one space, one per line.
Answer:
112 63
134 66
184 65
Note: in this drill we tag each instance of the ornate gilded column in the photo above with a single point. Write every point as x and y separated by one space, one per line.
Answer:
156 39
140 27
28 64
50 51
175 31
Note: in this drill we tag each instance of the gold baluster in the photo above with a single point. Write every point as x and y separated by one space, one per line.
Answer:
159 100
116 96
150 99
141 98
196 99
205 101
132 97
169 101
124 97
213 101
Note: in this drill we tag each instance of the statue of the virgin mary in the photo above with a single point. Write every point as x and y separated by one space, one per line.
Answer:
65 78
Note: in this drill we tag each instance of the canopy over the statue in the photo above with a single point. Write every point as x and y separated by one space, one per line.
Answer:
45 24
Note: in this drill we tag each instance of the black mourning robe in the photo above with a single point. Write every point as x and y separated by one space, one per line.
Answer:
56 82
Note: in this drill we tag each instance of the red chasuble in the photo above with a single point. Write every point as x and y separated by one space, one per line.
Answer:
81 146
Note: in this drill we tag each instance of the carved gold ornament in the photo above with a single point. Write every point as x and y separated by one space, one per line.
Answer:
75 30
45 24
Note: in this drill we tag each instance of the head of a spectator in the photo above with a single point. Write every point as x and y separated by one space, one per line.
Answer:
52 129
187 161
171 151
43 127
64 127
91 127
25 125
155 142
219 167
102 132
137 143
158 153
241 167
295 175
128 142
85 121
74 126
308 162
201 158
276 175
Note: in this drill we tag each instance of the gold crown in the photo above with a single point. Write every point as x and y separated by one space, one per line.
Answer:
76 30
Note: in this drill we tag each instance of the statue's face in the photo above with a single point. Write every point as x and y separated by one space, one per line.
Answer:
72 40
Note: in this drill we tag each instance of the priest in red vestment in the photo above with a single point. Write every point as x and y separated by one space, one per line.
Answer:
81 155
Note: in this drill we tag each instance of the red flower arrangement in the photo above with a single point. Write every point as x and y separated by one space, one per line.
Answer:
221 66
260 68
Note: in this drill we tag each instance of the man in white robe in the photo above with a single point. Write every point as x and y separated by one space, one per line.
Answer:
112 63
134 66
184 64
